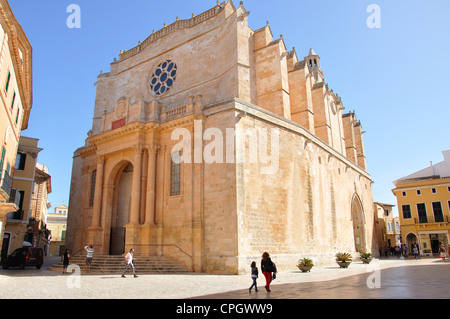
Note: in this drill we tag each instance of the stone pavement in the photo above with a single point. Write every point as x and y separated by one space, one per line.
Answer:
392 278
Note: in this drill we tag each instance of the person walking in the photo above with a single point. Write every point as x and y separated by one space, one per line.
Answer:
254 277
90 255
415 251
442 253
66 261
129 263
267 267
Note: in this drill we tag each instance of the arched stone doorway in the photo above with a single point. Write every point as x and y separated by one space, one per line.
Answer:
411 241
120 215
358 225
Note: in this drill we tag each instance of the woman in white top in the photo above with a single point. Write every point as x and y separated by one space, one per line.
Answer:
129 262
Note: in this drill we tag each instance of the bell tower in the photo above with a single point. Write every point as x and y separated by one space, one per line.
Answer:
313 63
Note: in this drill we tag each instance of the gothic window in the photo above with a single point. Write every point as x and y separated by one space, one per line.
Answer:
93 180
175 174
163 78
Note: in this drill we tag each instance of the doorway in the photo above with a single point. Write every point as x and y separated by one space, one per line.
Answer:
5 245
358 225
121 209
435 243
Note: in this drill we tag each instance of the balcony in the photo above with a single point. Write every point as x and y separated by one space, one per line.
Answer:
441 222
10 199
5 182
15 197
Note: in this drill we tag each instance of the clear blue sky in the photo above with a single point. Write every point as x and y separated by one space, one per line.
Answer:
396 78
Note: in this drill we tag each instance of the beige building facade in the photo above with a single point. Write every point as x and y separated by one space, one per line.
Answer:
387 228
212 143
15 105
23 182
57 224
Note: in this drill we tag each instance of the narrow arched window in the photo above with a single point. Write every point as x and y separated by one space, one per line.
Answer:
93 179
175 174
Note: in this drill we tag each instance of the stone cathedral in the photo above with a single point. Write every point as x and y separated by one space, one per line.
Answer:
283 167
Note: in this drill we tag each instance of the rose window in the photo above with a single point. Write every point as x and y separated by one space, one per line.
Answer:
163 77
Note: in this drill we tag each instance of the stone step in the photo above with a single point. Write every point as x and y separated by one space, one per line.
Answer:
116 265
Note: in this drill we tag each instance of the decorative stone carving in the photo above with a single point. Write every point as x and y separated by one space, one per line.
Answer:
121 107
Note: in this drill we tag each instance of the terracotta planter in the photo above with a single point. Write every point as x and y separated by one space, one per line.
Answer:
305 268
344 264
366 260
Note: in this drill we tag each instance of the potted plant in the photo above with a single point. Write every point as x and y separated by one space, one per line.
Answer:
343 259
366 258
305 264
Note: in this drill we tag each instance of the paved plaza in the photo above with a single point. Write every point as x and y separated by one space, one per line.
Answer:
382 279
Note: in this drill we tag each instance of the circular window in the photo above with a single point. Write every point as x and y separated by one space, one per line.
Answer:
163 78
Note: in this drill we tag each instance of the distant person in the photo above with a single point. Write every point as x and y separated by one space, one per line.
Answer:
66 261
254 277
129 263
397 251
415 251
267 267
442 253
90 255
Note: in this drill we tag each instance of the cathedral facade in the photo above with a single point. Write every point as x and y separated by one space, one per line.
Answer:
212 143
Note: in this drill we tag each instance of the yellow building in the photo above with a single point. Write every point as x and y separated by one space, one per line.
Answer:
57 224
15 104
22 182
424 201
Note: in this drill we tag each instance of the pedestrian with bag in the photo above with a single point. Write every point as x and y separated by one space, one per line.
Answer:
268 268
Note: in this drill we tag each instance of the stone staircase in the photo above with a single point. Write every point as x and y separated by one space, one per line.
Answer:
114 265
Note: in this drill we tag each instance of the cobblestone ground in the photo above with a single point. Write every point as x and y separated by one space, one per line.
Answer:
382 279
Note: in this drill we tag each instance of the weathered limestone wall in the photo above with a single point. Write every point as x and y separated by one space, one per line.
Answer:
304 209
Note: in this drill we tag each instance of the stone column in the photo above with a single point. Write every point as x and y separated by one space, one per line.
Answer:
159 198
151 184
98 193
136 186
